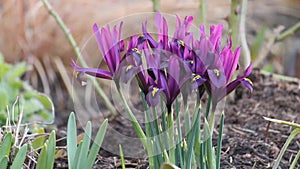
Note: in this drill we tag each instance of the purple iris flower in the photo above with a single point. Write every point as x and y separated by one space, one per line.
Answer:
221 72
111 46
169 82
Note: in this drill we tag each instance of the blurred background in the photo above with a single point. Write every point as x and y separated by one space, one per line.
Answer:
28 33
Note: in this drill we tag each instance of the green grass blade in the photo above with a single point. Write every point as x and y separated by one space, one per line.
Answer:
42 161
4 162
294 163
6 145
97 144
85 146
71 140
191 140
76 159
122 157
20 158
179 159
51 150
209 147
286 144
219 144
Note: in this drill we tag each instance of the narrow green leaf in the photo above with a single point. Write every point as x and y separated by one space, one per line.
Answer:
17 71
209 147
71 140
191 140
285 146
219 144
257 44
294 163
6 145
4 162
85 146
51 150
76 159
97 144
20 158
42 161
122 156
179 152
38 142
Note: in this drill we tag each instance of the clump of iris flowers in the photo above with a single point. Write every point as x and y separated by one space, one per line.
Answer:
207 66
164 68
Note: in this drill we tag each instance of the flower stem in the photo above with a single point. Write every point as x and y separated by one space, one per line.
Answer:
72 42
133 120
203 7
234 22
156 5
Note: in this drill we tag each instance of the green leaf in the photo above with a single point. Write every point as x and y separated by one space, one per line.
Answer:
20 158
191 139
3 98
6 145
219 144
285 146
38 142
71 140
294 163
122 157
257 44
41 163
76 159
31 106
4 69
97 143
51 150
46 158
85 146
17 71
4 162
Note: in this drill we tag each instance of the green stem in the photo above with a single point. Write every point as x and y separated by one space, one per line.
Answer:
72 42
203 7
171 136
288 32
133 120
246 52
156 5
234 22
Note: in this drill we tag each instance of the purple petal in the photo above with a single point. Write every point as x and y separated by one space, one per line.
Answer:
153 96
217 77
248 84
93 71
128 72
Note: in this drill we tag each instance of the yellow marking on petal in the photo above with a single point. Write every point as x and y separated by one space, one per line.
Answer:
140 35
196 77
154 91
191 62
248 80
136 50
128 68
217 72
76 74
181 42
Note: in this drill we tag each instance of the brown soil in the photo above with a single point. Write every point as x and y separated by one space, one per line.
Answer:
249 141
